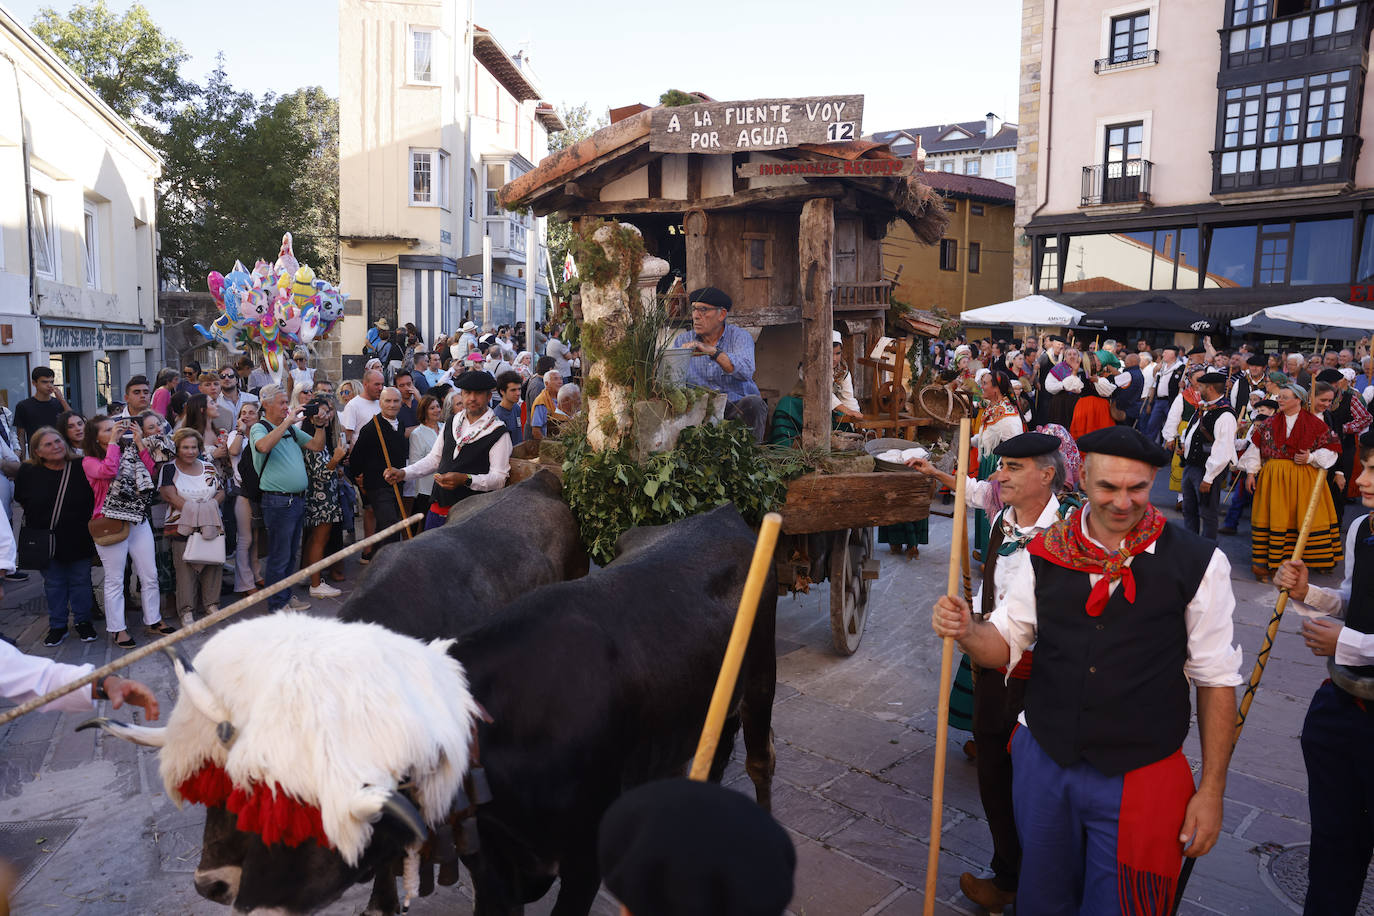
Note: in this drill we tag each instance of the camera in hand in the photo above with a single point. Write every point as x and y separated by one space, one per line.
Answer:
310 410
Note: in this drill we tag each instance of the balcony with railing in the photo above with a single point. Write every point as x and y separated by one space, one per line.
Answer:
1124 181
507 236
862 296
1125 62
1326 27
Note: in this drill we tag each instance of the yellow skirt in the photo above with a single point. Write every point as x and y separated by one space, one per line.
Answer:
1176 463
1281 493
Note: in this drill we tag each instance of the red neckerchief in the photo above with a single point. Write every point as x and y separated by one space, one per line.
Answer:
1064 544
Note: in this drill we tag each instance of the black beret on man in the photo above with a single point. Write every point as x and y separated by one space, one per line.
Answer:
1367 439
1027 445
1124 442
1268 403
1056 337
682 848
1257 359
475 380
1211 378
709 295
1330 376
1198 351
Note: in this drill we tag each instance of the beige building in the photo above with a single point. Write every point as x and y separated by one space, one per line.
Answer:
432 121
1227 176
985 149
78 287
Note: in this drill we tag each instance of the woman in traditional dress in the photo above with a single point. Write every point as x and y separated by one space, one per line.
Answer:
1093 410
1063 384
998 420
1291 445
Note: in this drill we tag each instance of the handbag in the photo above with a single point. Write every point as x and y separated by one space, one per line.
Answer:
35 546
201 550
107 531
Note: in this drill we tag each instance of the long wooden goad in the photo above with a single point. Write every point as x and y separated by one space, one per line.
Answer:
1262 659
734 650
956 561
204 623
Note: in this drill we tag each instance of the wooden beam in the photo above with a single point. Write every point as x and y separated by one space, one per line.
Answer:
829 502
578 159
656 178
737 182
758 196
539 199
694 167
576 191
816 251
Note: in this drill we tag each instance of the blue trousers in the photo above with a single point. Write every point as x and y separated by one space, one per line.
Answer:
1337 746
1240 501
1067 820
64 584
434 520
1159 412
284 519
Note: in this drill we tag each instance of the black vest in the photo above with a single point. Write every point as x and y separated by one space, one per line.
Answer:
1175 380
1110 689
475 458
1359 614
1200 445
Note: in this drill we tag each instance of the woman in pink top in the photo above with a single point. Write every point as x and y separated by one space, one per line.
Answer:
162 396
101 465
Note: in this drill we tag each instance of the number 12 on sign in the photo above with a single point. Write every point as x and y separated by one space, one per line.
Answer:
840 131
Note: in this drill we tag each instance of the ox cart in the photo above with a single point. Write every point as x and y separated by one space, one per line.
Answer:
791 226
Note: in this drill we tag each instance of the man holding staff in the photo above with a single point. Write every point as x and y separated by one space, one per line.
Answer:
1124 610
1338 733
1030 475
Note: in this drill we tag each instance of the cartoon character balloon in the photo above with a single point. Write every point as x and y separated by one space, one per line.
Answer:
274 307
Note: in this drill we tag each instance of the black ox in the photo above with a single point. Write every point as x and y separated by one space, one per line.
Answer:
593 685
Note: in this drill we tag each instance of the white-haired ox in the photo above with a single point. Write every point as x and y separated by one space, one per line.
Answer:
312 743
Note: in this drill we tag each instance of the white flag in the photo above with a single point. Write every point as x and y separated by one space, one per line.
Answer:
569 267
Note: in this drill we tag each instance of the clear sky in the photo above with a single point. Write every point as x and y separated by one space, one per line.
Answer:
916 62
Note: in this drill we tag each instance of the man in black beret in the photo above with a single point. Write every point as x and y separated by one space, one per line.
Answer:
1207 450
1104 798
472 455
1032 487
1249 381
682 848
723 359
1197 355
1338 731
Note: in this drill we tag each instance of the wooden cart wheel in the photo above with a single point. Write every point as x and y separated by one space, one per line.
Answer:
848 587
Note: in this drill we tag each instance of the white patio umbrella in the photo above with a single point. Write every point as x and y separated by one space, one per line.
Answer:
1318 318
1031 310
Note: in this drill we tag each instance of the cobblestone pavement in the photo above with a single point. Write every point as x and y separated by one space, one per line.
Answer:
855 743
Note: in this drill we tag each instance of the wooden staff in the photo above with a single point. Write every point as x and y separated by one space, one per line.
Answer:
946 664
203 624
1263 658
734 650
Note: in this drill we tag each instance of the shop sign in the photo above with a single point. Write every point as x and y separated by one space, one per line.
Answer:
828 168
68 337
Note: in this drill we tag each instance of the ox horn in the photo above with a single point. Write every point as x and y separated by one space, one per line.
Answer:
137 734
371 804
194 686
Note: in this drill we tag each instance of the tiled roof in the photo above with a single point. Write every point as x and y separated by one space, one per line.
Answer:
971 186
932 142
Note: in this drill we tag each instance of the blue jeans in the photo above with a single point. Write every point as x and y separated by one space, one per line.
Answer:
1159 412
1240 499
68 583
284 519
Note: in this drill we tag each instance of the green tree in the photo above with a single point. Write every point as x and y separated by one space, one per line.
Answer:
126 59
580 126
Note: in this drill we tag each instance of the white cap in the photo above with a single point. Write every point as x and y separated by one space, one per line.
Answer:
835 337
1348 373
469 326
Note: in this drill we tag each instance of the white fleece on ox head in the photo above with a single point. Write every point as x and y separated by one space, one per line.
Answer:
335 714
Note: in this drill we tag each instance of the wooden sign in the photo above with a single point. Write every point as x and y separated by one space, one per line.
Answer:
828 168
758 124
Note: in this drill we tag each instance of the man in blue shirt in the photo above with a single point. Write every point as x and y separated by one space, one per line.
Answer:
724 358
508 408
435 372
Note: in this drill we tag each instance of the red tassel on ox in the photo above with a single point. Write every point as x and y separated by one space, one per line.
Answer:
265 810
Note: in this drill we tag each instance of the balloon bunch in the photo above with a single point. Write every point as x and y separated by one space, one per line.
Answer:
273 306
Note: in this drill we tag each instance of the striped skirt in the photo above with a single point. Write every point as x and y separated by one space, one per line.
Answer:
1281 493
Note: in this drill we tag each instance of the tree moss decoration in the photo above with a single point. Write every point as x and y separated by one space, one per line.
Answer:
623 253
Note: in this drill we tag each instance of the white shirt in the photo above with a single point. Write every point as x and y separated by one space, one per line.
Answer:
499 459
1162 375
422 439
1213 660
1352 647
303 378
23 677
1001 577
558 352
1071 383
1256 385
1320 458
1223 446
357 413
846 397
